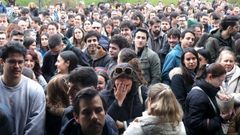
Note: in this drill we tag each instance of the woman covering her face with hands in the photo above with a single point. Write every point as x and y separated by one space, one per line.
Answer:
125 100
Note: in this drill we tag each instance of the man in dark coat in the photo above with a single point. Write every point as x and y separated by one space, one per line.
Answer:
89 116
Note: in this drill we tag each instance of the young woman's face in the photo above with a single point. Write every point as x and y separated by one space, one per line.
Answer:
44 40
190 61
109 29
202 60
125 82
101 83
33 46
62 65
87 26
78 34
227 62
29 62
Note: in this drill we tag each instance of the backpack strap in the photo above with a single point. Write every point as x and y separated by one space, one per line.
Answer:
140 94
199 89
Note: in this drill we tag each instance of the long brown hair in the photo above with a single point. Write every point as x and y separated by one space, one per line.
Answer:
57 98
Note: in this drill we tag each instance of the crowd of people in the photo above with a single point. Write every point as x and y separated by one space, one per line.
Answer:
111 69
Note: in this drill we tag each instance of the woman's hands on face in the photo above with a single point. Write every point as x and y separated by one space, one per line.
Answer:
120 92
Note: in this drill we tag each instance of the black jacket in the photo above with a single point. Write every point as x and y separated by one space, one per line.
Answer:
131 108
72 128
48 67
200 117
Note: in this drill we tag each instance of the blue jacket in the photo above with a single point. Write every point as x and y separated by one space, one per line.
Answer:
172 60
73 128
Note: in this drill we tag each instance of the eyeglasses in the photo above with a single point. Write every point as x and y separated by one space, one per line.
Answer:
13 62
127 71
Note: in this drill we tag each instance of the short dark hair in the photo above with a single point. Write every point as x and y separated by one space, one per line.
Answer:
215 69
36 20
13 47
24 11
54 40
138 14
127 24
183 34
141 30
154 20
87 93
174 32
16 33
54 24
92 33
71 57
228 21
83 76
120 41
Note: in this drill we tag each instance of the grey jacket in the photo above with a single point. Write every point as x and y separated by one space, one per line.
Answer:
152 125
150 64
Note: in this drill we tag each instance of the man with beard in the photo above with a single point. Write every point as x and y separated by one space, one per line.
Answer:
157 38
90 116
150 62
222 37
205 22
165 24
137 19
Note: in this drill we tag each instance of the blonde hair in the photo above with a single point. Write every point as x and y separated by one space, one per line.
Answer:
32 5
223 53
164 104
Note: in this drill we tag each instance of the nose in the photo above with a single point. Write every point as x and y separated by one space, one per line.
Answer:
94 116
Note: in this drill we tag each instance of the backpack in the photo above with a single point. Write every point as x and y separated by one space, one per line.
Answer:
203 40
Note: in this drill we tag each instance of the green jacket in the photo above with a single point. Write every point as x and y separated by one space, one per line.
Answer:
150 64
215 42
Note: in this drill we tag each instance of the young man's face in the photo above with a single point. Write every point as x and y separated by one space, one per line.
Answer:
126 32
113 50
92 43
155 28
136 21
13 65
182 22
165 26
140 39
18 38
204 20
188 40
173 40
3 39
234 29
3 21
51 30
91 116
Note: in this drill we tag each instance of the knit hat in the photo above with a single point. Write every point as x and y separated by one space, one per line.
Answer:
191 22
124 70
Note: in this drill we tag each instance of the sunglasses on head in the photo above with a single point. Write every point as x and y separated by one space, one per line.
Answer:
127 71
